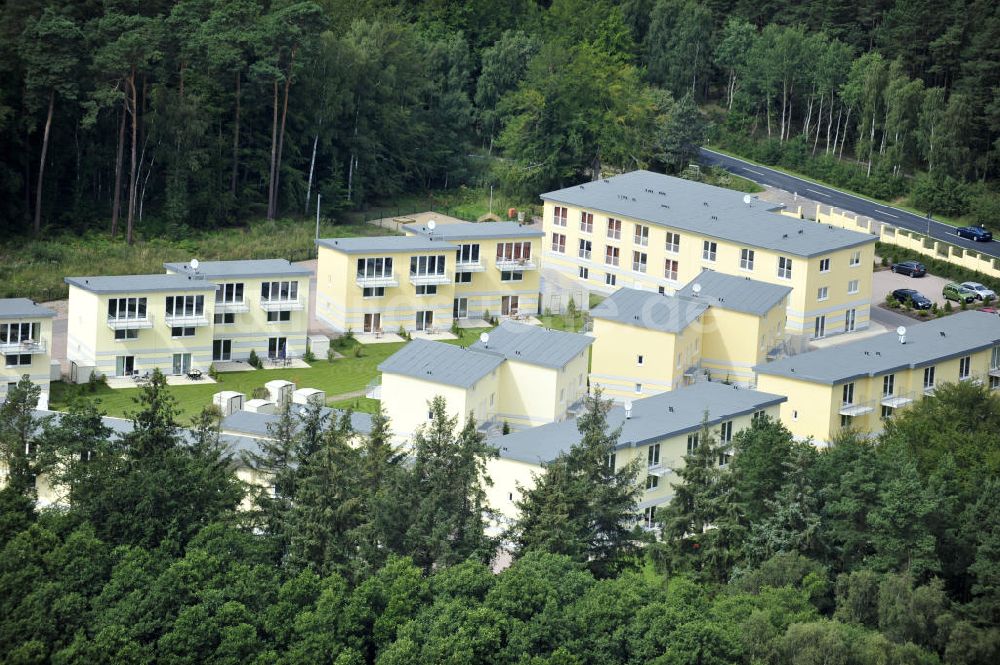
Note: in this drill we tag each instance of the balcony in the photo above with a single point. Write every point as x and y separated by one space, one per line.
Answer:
995 372
854 410
428 279
24 346
277 305
232 306
469 266
659 470
375 281
130 323
895 401
185 320
515 264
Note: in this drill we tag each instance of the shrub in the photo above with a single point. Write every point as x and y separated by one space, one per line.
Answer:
309 356
891 302
455 329
984 208
505 430
964 305
254 360
940 194
212 372
260 392
486 316
402 332
359 350
885 262
331 354
948 306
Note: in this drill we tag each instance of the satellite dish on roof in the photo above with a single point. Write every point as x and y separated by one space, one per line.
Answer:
628 408
901 330
696 288
431 225
194 264
747 199
484 338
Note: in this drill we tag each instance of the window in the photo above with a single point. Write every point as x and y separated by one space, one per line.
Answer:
424 266
584 273
653 455
852 286
467 254
614 229
374 291
610 461
585 247
995 358
652 482
611 255
848 393
18 332
463 277
641 235
856 258
509 305
126 308
559 243
661 290
670 267
511 276
819 327
229 293
886 412
784 267
514 251
277 347
994 382
610 279
928 378
724 457
746 259
692 443
586 222
649 517
708 250
758 415
823 293
845 421
639 359
18 359
850 317
279 316
185 305
281 290
222 349
824 265
726 431
673 242
559 216
888 385
638 262
127 334
374 268
424 319
638 388
220 319
372 322
182 331
964 367
460 308
427 289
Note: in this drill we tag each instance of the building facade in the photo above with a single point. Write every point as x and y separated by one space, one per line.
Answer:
429 278
653 232
26 345
858 385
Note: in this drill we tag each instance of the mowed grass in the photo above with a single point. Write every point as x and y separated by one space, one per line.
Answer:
343 375
563 321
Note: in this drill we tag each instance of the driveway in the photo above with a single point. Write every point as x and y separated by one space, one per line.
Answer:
885 281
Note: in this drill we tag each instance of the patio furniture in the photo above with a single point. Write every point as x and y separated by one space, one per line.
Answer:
194 374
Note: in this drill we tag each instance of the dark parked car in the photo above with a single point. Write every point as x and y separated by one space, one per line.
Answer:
919 300
911 268
977 233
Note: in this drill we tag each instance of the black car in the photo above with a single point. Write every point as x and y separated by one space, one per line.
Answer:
911 268
977 233
919 300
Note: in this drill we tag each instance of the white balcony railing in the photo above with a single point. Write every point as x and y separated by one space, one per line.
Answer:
232 306
469 266
185 320
24 346
132 323
375 281
430 278
853 410
515 264
277 305
895 401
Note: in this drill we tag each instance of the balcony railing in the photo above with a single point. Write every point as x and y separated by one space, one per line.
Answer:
469 266
375 281
277 305
853 410
185 320
132 323
232 306
23 346
895 401
428 279
515 264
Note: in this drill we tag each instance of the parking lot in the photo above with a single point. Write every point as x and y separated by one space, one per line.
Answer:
885 281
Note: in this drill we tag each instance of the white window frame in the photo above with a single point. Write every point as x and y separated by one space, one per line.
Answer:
709 250
746 259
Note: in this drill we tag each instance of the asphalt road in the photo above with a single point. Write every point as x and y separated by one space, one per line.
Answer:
838 199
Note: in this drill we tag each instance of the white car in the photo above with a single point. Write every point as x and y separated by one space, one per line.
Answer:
982 293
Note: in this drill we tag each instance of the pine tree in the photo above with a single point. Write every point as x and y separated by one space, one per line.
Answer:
793 521
18 430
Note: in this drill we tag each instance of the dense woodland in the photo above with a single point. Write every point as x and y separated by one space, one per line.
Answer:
869 552
118 115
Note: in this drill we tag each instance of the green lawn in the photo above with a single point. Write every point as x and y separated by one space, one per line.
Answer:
563 322
344 375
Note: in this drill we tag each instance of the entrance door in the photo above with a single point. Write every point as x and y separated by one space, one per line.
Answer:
124 365
461 308
508 305
276 347
222 349
373 322
182 363
425 319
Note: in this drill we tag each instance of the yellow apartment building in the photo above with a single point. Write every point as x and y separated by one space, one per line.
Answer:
717 327
656 433
654 232
521 374
859 384
426 280
26 345
130 324
259 305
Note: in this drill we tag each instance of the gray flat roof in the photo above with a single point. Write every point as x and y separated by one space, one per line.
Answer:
648 309
139 283
234 269
653 418
740 294
476 230
375 244
255 424
711 211
926 344
533 344
441 363
22 308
